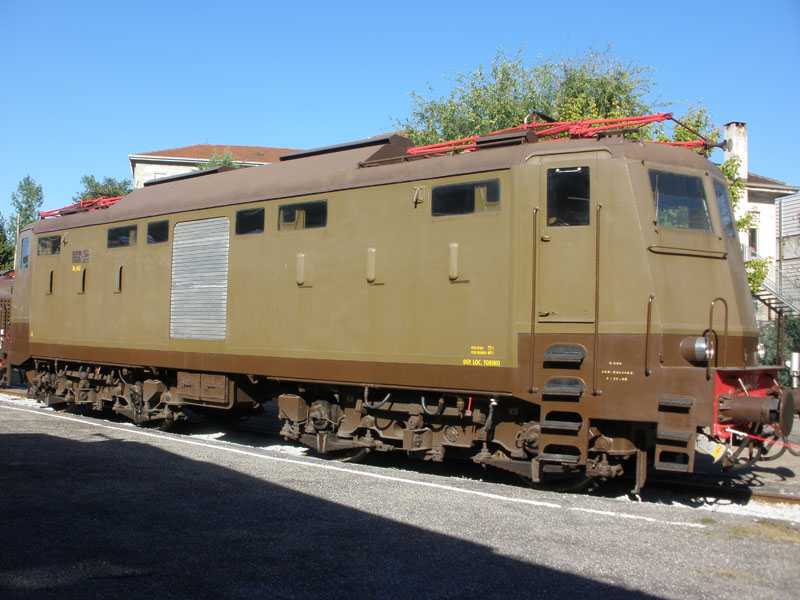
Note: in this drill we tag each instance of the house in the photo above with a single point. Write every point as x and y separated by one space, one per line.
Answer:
146 166
767 199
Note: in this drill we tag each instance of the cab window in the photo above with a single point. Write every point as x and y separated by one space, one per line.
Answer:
724 206
568 199
680 201
24 252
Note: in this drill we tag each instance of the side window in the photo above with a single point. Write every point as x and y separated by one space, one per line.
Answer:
24 252
465 198
122 236
157 232
49 245
680 201
568 199
305 215
249 220
724 206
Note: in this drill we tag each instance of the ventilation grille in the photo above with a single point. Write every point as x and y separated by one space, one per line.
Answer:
199 300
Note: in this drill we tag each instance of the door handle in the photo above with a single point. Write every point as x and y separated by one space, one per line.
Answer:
545 238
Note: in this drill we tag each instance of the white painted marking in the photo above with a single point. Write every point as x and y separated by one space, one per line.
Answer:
352 471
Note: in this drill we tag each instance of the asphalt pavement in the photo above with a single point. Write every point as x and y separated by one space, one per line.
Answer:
93 509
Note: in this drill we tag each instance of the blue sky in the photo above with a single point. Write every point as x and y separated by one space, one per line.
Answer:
85 84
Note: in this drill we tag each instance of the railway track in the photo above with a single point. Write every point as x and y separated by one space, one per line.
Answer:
709 486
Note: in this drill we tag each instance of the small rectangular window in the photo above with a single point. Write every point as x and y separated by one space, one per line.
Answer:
24 252
157 232
568 200
122 236
465 198
752 242
49 245
724 206
305 215
249 220
680 201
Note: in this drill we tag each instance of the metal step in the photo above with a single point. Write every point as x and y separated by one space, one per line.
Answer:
564 386
683 402
675 435
562 425
565 353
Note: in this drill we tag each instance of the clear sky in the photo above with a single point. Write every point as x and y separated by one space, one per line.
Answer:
85 84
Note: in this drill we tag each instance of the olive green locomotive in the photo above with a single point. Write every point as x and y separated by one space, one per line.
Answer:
573 307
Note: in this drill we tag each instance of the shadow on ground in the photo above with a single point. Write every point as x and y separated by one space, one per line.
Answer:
115 519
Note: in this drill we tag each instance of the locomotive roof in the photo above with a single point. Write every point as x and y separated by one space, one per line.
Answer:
337 168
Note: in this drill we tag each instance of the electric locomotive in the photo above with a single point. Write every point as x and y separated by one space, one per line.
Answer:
558 308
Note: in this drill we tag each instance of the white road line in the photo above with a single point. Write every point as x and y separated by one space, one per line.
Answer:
352 471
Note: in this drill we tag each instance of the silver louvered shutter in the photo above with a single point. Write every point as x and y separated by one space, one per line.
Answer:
199 300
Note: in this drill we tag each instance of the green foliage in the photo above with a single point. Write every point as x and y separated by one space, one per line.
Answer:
791 343
226 160
6 246
593 85
757 270
26 202
107 188
696 119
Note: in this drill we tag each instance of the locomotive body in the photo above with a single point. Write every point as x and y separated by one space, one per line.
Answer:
555 309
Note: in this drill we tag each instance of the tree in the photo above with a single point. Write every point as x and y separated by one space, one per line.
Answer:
791 343
26 202
109 187
226 160
6 246
594 85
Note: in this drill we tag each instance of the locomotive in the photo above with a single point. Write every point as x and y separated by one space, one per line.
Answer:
564 308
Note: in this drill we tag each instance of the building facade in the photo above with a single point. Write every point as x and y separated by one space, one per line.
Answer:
147 166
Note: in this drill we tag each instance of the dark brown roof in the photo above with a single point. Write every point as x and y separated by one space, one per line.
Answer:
761 180
258 154
330 172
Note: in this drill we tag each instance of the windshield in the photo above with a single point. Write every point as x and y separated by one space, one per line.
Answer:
680 201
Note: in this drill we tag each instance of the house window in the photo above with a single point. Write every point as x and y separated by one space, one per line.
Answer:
465 198
305 215
568 201
250 220
752 242
49 245
122 236
680 201
157 232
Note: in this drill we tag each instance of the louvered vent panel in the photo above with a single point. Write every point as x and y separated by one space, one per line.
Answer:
199 299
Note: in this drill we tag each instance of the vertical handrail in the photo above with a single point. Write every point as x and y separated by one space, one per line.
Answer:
647 371
595 391
531 388
725 335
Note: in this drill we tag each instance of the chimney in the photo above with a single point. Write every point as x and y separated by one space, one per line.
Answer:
736 136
